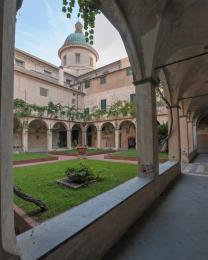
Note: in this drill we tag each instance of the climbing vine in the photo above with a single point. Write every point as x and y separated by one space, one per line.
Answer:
87 11
54 111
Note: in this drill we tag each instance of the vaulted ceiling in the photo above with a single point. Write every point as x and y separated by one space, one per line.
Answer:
160 32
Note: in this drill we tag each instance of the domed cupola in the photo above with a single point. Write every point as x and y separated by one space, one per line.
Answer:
78 56
77 37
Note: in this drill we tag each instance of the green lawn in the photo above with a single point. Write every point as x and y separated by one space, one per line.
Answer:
40 182
134 153
89 151
29 156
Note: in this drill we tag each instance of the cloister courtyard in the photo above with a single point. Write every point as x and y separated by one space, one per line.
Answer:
106 162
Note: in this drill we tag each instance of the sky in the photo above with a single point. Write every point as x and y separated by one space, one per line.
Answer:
42 28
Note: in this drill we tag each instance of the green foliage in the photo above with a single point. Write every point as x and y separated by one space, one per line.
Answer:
21 108
162 131
87 11
97 113
118 109
81 173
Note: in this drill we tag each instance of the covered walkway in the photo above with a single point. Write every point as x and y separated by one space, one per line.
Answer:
175 227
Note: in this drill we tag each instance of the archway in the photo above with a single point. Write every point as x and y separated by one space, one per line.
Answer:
127 135
37 136
202 135
91 136
17 135
59 136
108 135
76 135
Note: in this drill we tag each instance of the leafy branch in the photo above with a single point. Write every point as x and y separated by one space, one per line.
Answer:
87 11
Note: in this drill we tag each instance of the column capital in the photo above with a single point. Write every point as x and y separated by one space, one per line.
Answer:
150 80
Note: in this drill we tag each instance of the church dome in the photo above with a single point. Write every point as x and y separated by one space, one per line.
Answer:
77 37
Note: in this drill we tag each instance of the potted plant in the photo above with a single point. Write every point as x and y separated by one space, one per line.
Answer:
82 149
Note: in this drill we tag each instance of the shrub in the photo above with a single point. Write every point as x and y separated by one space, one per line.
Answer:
82 174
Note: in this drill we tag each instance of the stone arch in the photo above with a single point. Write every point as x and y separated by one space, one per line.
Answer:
76 135
91 135
59 135
37 136
17 134
107 135
127 134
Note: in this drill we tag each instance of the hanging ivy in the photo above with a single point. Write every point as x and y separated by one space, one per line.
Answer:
87 11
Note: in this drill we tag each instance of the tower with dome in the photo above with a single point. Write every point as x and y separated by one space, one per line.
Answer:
77 56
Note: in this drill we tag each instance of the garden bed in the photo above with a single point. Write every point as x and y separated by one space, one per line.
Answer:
47 159
131 155
128 158
74 152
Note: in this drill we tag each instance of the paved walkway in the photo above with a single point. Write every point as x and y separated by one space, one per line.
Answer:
99 157
198 167
175 228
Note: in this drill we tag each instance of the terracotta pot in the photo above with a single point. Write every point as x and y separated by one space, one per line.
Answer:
82 150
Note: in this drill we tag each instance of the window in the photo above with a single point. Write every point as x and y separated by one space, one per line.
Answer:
73 101
132 97
64 60
77 58
91 62
129 71
48 72
44 92
87 84
102 80
68 81
20 63
103 104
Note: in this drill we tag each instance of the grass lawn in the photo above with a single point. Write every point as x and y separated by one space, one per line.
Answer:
89 151
29 156
134 153
40 182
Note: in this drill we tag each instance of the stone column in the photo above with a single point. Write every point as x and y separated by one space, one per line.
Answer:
49 140
190 137
69 139
147 128
184 139
25 139
117 138
194 136
84 137
136 138
8 248
174 147
99 138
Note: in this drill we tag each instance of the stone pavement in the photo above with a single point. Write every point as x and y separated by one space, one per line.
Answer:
199 166
176 227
